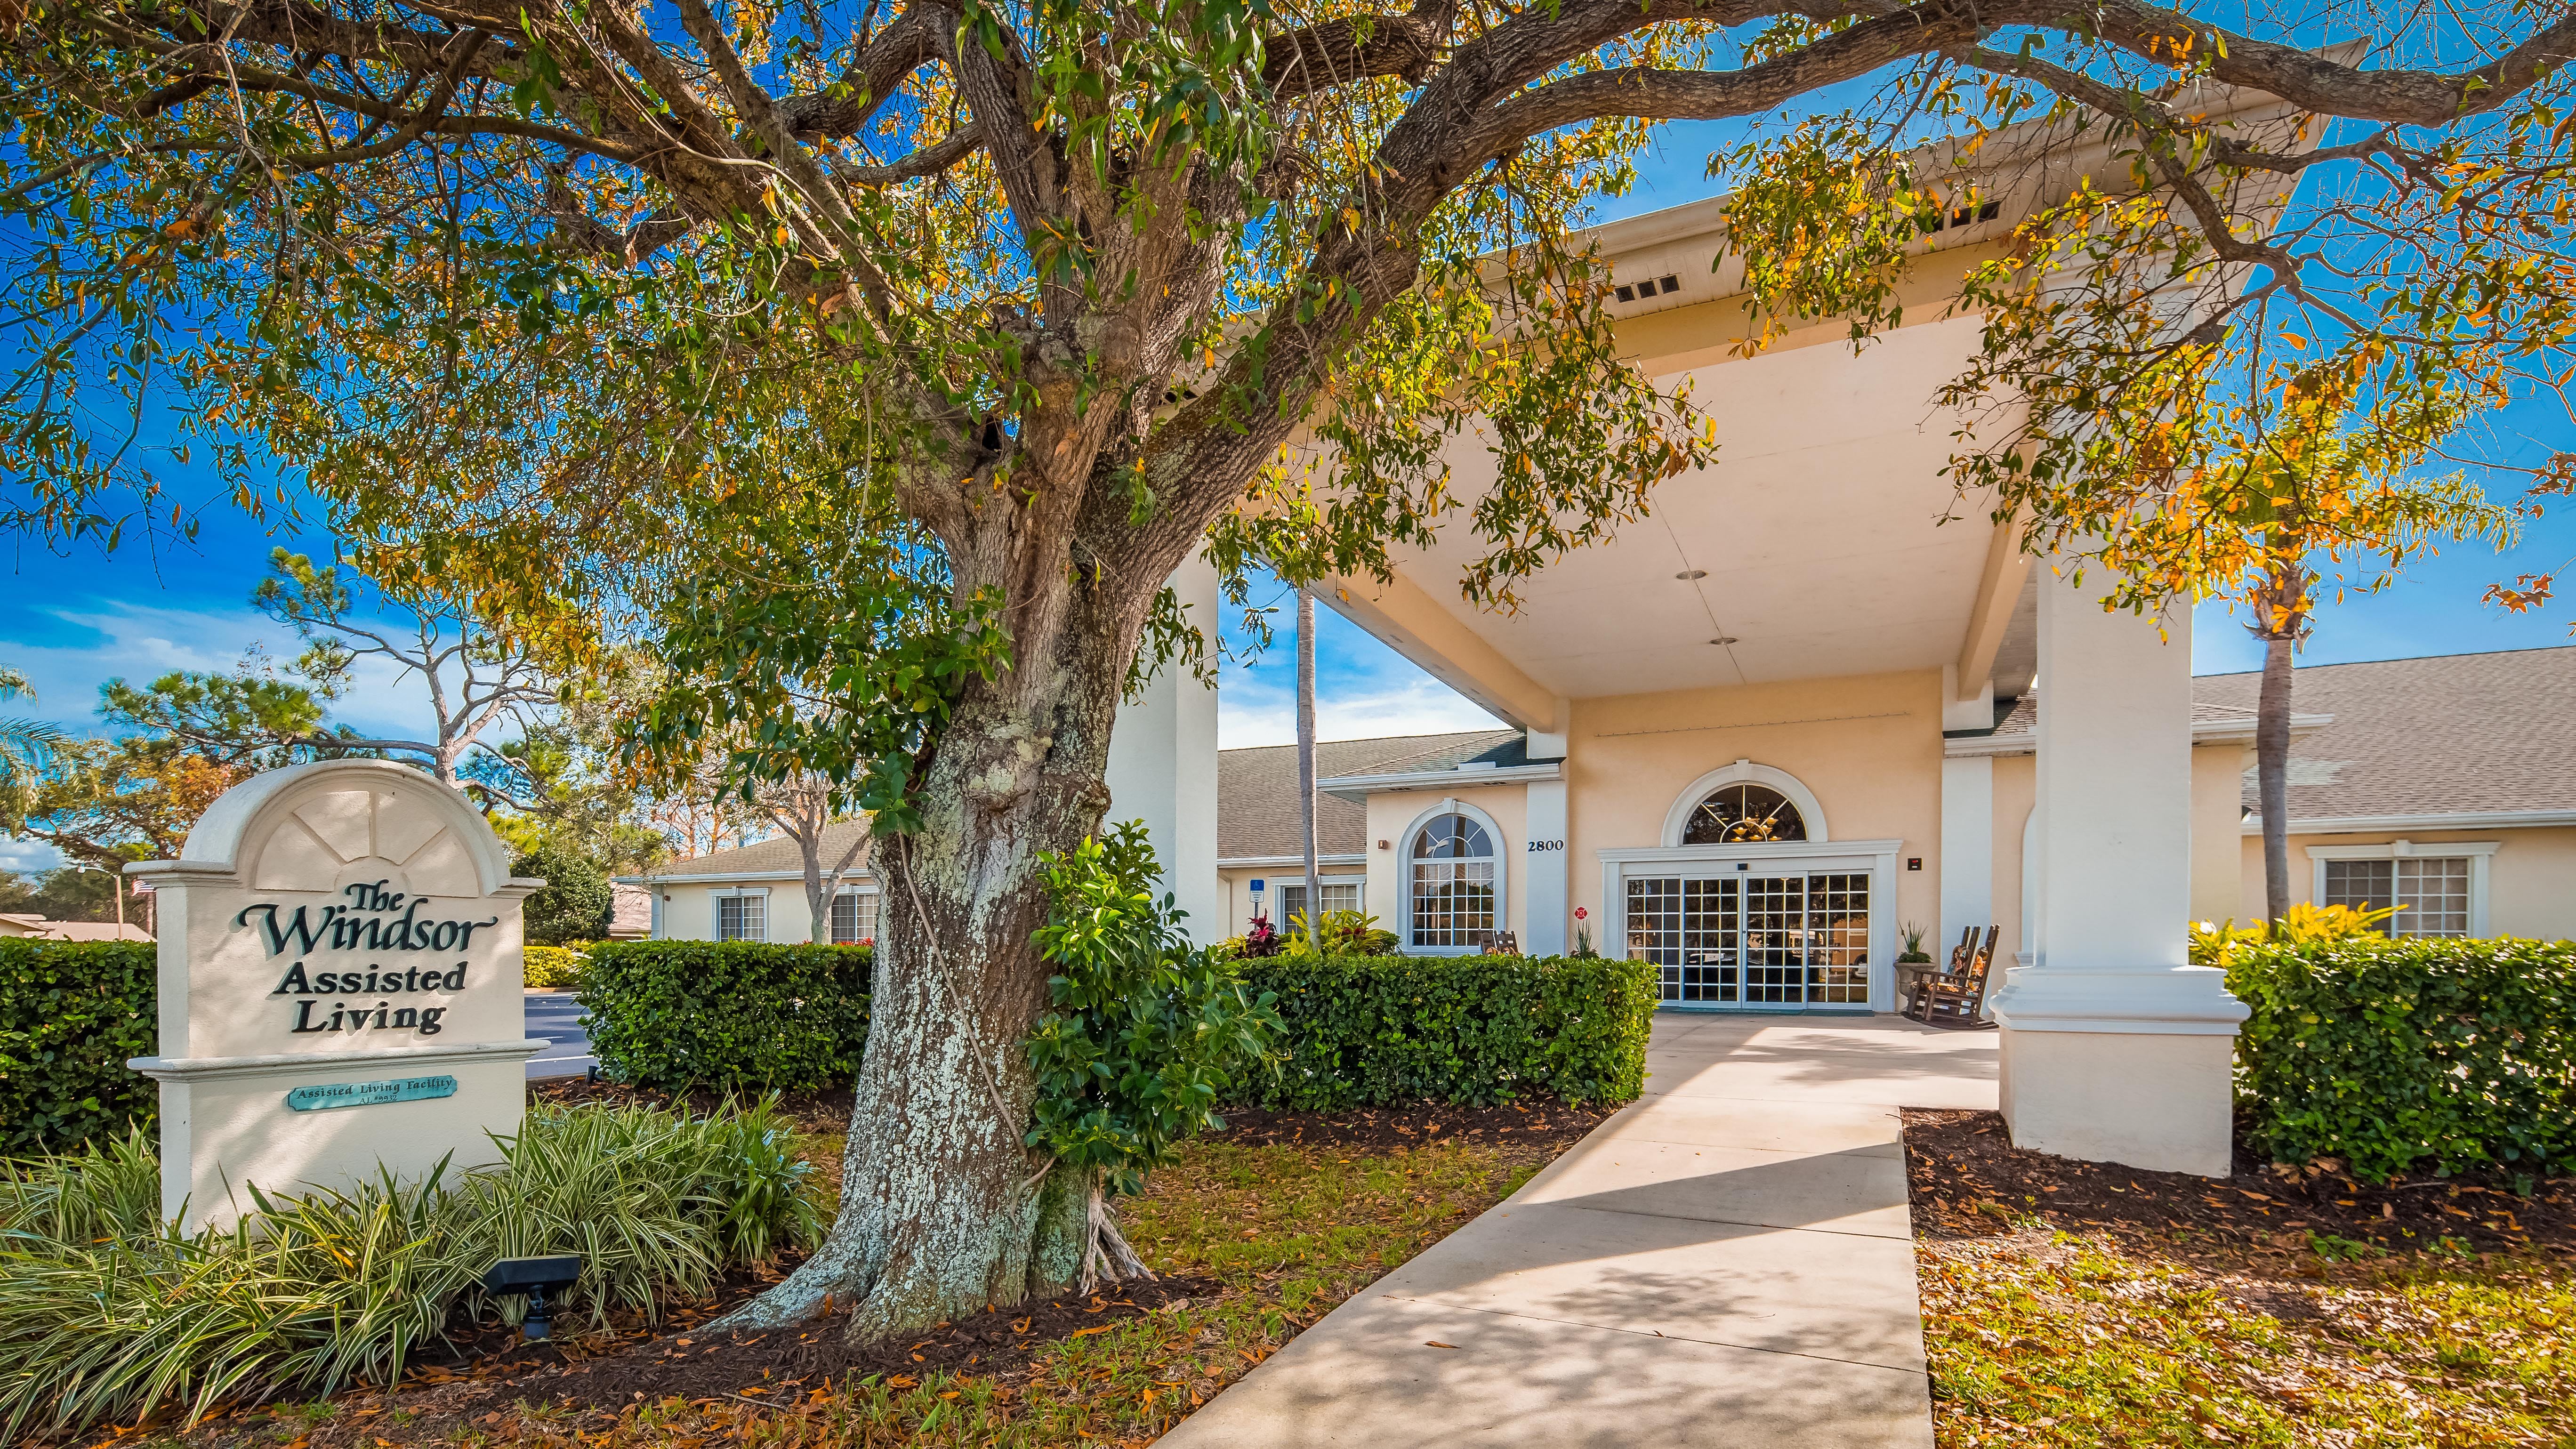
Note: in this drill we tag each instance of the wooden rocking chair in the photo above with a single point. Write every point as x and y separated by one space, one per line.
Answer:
1911 976
1957 998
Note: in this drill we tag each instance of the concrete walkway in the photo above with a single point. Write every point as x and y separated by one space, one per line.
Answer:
1727 1262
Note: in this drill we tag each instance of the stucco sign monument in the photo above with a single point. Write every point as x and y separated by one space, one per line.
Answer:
340 987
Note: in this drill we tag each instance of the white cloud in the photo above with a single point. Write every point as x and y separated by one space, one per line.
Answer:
27 855
102 639
1256 712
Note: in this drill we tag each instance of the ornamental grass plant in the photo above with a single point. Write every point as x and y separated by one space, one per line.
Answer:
113 1315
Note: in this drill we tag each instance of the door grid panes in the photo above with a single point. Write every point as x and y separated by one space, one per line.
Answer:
1754 941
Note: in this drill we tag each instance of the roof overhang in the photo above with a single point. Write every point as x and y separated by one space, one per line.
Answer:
2461 820
1827 540
1284 862
2203 732
1360 787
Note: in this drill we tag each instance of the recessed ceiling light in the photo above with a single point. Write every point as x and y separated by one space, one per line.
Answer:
1726 639
1687 575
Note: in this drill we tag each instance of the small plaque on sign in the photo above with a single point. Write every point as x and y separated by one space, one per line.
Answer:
326 1095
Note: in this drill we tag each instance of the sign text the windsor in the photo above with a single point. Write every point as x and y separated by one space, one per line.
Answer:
369 993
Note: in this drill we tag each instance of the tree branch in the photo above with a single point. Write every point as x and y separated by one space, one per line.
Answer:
938 156
1358 47
911 42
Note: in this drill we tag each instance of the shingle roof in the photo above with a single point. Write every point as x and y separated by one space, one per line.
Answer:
778 855
2022 717
2443 735
1256 789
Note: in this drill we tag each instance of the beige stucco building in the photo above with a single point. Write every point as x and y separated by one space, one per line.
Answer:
1817 695
2443 785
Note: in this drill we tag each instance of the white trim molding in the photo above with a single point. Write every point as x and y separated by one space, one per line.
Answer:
1746 772
1404 875
1360 787
1283 862
1877 857
2229 731
2462 820
396 1059
794 873
2478 852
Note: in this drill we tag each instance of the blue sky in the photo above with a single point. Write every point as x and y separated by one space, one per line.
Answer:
73 621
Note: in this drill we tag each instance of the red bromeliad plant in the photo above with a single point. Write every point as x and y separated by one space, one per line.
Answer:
881 361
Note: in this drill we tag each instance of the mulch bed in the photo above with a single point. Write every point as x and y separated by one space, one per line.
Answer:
489 1374
1967 1180
779 1366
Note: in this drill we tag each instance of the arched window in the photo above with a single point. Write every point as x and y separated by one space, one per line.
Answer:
1743 812
1455 900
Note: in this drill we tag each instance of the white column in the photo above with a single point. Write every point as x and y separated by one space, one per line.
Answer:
2114 1049
1543 890
1967 850
1162 767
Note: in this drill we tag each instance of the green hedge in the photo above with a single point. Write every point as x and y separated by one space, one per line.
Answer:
2438 1055
552 968
1376 1030
71 1013
673 1014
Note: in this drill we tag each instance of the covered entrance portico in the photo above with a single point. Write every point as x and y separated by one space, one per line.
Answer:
1759 731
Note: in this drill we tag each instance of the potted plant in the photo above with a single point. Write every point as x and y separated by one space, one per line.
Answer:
1913 952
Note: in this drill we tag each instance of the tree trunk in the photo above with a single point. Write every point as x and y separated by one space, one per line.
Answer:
943 1208
2272 772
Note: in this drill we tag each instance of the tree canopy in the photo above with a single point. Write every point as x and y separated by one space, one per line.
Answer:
881 361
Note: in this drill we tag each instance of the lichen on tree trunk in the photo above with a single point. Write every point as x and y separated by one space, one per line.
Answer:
944 1208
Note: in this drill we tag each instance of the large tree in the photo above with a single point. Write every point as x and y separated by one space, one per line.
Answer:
886 361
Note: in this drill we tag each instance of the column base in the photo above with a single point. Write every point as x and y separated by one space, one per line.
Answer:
2161 1102
2136 1068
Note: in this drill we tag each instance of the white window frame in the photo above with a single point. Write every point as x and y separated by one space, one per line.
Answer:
2479 853
715 910
1404 875
855 892
1876 857
1283 885
1745 772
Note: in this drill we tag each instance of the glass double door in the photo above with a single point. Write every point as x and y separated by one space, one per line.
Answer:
1780 940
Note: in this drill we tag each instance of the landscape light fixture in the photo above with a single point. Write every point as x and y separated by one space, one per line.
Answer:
535 1277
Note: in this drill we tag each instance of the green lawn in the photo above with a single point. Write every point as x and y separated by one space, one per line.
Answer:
2040 1338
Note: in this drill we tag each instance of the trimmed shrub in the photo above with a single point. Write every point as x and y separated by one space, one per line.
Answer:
553 968
1376 1030
113 1316
2411 1054
675 1014
71 1013
576 901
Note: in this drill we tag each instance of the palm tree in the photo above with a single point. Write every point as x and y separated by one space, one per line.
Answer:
26 748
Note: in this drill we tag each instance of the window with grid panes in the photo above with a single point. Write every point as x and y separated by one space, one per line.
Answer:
1454 896
2432 889
742 918
854 918
1339 895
